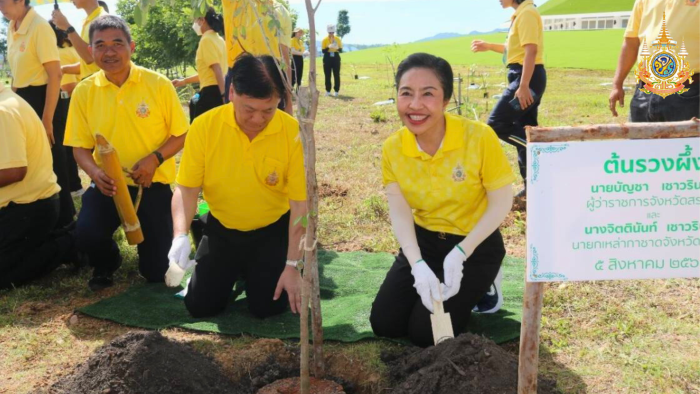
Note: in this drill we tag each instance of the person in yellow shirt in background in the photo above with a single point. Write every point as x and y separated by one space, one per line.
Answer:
36 77
68 55
86 66
29 202
272 39
247 159
297 56
139 113
448 183
523 54
682 21
211 63
332 47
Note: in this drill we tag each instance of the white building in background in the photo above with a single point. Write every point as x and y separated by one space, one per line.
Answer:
595 21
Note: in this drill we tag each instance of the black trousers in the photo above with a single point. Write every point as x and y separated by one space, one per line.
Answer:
74 181
331 65
225 255
36 97
297 70
676 107
209 97
98 220
28 248
507 121
397 310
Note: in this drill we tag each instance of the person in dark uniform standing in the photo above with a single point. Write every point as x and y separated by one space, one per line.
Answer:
297 57
332 47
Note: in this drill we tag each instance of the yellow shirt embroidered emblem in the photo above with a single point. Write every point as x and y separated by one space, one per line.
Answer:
272 179
142 110
458 174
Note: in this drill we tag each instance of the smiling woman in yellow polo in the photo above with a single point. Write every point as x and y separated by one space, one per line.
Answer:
136 118
448 184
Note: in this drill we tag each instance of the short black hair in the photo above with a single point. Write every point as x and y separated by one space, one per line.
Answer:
214 20
438 65
103 5
61 36
105 22
256 76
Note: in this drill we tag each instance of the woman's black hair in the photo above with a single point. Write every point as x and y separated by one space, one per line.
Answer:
106 22
61 36
438 65
103 5
257 77
214 20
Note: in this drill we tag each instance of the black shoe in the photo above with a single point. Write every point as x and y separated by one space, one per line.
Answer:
103 278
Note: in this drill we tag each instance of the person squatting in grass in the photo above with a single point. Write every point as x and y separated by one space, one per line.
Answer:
682 18
247 159
523 54
448 183
29 202
139 113
332 47
211 63
36 77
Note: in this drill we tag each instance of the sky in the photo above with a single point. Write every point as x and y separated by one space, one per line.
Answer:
379 21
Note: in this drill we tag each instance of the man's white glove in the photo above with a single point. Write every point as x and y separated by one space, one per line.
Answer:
453 266
426 283
180 251
175 273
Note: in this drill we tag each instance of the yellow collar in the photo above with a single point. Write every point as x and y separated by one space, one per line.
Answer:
454 139
134 76
94 14
521 8
24 26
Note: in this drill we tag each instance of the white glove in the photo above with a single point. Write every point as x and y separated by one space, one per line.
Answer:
174 276
453 266
427 284
306 54
333 46
180 251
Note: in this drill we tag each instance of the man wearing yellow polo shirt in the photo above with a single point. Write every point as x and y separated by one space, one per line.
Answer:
682 19
29 203
139 113
86 66
247 159
279 39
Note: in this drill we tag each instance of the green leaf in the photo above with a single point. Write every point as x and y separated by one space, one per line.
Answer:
243 32
305 221
238 11
138 16
234 33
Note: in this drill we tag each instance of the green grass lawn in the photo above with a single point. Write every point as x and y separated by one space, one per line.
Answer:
592 50
562 7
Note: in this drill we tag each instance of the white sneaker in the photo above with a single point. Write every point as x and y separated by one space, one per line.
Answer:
492 301
335 94
328 94
77 193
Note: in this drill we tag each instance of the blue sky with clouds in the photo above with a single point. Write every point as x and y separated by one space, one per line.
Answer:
381 21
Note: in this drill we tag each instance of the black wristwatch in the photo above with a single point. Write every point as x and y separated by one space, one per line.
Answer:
70 30
159 157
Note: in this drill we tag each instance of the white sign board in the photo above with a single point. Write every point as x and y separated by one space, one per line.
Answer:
613 210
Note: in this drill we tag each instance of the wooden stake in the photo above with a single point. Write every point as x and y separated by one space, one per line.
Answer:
441 323
624 131
125 207
530 338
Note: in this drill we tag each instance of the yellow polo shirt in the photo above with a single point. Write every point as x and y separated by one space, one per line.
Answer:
240 20
68 56
136 119
447 192
526 28
88 69
24 144
248 184
327 41
211 50
682 22
29 47
297 44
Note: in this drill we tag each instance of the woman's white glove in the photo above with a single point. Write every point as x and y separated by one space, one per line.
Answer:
305 54
426 283
453 266
180 262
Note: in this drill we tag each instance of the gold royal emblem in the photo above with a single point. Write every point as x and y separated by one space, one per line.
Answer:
272 179
662 70
142 110
458 174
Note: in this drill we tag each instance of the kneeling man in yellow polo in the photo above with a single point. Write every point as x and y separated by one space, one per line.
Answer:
139 113
247 158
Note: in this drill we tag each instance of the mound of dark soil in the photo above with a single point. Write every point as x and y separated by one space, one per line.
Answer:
468 364
145 362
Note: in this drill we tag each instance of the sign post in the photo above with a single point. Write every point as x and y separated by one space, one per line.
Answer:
607 202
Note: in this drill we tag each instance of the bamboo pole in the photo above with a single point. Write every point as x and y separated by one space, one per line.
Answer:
625 131
530 338
125 207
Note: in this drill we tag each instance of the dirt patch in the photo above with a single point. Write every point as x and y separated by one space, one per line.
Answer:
328 190
292 386
145 362
468 364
